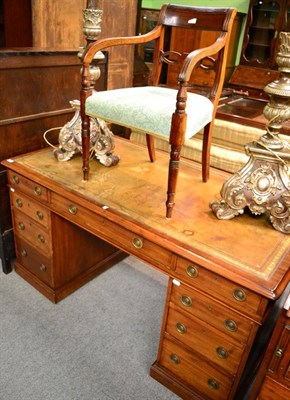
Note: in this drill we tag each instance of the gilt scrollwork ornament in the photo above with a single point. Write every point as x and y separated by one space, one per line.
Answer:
260 186
280 214
101 139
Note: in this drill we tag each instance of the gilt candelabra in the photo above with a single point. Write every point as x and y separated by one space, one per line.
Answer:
262 184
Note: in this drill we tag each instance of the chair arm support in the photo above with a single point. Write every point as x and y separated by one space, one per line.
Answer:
101 44
197 55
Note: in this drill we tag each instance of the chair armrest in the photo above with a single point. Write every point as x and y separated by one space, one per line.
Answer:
197 55
101 44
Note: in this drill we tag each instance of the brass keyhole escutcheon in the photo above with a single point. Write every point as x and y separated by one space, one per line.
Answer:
42 267
19 203
230 325
23 253
212 383
21 226
181 328
137 242
15 179
39 215
40 238
239 295
186 301
222 352
192 271
175 358
37 190
72 209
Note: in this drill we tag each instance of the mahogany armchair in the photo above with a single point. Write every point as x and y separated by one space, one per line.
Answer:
175 113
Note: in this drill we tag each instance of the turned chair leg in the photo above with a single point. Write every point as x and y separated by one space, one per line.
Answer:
150 147
172 179
85 146
206 145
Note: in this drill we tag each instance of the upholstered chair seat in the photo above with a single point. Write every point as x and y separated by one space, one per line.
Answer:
149 109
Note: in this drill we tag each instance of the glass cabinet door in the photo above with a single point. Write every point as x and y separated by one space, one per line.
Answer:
262 33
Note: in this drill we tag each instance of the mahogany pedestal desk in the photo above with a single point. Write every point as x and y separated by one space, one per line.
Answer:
224 276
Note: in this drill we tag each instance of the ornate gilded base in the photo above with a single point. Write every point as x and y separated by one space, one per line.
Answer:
262 185
101 139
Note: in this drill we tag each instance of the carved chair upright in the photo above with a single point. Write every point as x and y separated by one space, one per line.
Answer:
175 113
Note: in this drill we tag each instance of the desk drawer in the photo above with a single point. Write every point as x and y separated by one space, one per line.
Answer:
224 290
208 310
113 233
32 209
205 339
31 188
32 232
195 371
33 261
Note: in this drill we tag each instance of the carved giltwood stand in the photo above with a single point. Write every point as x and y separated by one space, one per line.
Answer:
262 184
102 142
101 138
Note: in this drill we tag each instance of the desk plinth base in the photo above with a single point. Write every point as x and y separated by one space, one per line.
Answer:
261 185
170 381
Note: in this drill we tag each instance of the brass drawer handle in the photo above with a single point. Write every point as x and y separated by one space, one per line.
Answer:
21 226
137 242
72 209
37 190
239 295
19 203
230 325
39 215
192 271
40 238
181 328
175 358
15 179
186 301
23 252
279 352
222 352
42 267
212 383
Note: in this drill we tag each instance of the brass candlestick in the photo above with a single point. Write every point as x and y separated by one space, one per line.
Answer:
262 184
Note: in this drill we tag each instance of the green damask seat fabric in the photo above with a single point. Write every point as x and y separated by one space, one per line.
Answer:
149 109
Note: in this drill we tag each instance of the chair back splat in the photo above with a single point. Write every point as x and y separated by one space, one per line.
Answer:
173 110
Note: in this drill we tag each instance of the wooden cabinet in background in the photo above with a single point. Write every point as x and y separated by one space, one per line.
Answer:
25 23
15 23
258 67
244 98
119 19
